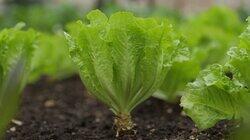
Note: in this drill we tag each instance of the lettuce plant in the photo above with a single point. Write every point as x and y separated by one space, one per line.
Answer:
222 91
16 48
122 59
215 95
208 40
59 64
209 37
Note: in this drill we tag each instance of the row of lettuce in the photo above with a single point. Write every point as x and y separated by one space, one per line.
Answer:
124 59
141 57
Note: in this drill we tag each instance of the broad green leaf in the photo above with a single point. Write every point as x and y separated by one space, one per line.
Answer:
215 96
222 92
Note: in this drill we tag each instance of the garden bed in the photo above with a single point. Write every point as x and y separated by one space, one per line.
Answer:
64 110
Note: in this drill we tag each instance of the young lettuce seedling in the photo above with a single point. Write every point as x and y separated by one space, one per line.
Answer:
122 59
222 92
16 48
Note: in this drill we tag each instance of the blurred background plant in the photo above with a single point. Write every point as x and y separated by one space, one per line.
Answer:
51 58
43 17
221 92
15 60
209 35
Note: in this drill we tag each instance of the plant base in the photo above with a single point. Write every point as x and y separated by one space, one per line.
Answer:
124 125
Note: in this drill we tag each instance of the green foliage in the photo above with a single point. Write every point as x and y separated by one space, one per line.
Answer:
122 59
183 70
245 37
222 92
16 48
212 33
208 40
51 58
214 96
176 80
240 56
39 16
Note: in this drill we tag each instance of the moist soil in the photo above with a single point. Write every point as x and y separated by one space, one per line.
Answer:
62 110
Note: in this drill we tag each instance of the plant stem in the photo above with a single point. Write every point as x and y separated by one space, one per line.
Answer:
123 124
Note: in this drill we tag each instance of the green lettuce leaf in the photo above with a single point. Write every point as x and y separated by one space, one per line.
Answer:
122 59
240 60
222 92
215 96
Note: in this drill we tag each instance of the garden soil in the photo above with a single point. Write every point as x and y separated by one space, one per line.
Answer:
62 110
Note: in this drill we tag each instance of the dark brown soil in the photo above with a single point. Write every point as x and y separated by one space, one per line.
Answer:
63 111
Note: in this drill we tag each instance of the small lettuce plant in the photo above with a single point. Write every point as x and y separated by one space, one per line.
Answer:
222 92
208 40
122 59
211 38
16 49
59 64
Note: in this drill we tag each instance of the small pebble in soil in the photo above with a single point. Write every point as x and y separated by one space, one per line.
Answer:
17 122
192 137
97 120
152 131
13 129
49 103
169 110
194 130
